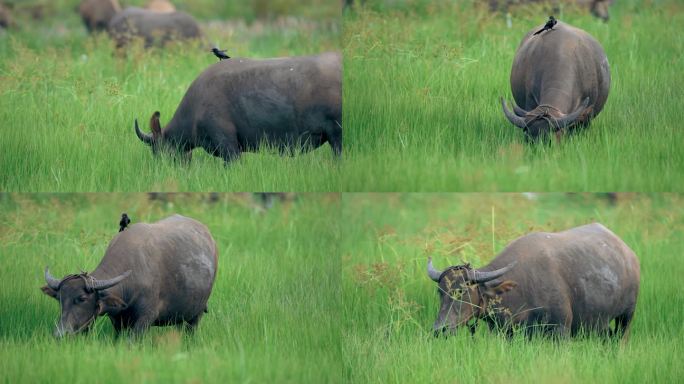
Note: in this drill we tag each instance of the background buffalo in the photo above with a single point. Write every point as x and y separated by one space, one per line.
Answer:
153 27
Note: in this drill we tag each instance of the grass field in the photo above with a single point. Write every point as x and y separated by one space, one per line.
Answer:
332 288
390 303
271 314
68 102
422 82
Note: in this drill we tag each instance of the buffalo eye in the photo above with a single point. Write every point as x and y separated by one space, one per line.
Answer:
80 299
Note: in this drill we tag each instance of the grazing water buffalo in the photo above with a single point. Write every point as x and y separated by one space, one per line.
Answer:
560 80
599 8
5 17
155 28
151 274
97 14
560 283
236 105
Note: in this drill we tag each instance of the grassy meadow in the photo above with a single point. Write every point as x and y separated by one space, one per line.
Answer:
390 304
422 82
68 101
271 313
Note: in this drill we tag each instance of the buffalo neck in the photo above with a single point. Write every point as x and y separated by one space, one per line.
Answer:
178 135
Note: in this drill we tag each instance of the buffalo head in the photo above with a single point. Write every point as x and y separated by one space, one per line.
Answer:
464 293
156 139
161 141
544 120
82 298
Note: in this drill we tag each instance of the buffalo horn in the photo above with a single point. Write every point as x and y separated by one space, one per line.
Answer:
50 280
512 117
571 118
145 138
104 284
519 111
483 277
432 272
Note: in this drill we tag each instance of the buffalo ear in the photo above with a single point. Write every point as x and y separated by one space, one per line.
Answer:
155 126
111 304
499 289
49 291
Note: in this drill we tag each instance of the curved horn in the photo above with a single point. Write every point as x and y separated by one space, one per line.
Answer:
518 111
50 280
512 117
483 277
571 118
432 272
104 284
145 138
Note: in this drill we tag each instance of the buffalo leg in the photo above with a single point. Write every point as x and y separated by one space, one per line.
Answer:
225 150
192 323
560 320
118 325
560 331
334 137
622 323
186 157
143 323
229 156
140 327
228 149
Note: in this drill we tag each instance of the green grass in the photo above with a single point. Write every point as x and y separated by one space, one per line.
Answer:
390 304
271 313
67 105
422 82
332 289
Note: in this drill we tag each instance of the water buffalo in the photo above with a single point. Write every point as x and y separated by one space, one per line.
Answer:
97 14
6 20
151 274
556 283
155 28
599 8
560 80
236 105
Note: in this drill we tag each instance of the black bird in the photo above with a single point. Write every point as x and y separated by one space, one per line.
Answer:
124 222
549 25
220 54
